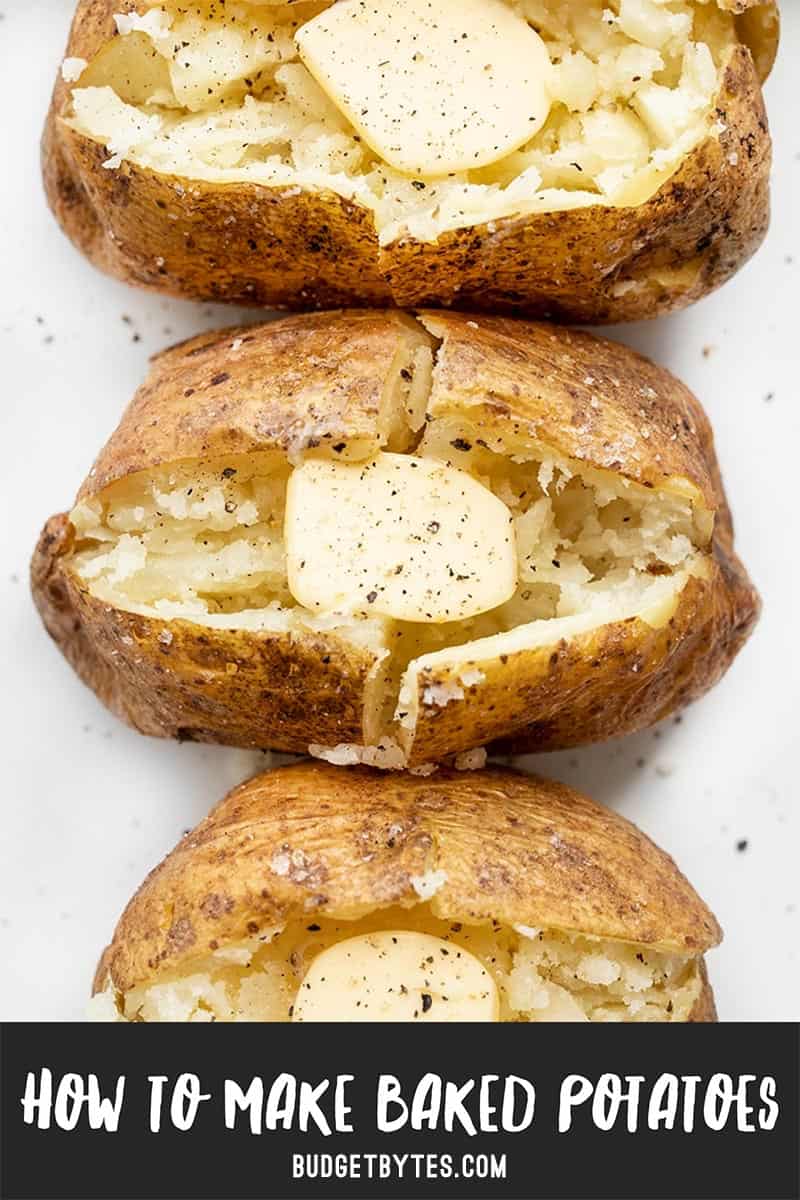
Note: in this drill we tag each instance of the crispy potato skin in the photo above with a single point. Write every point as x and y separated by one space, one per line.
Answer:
575 393
252 244
297 382
177 679
292 385
618 679
515 848
705 1008
274 691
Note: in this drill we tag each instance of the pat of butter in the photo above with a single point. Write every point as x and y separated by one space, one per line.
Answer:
432 86
400 536
396 975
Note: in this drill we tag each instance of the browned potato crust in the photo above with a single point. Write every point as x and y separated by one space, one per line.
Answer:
569 686
317 384
515 849
285 692
276 247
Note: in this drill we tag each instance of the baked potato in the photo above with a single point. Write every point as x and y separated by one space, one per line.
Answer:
386 539
319 893
589 160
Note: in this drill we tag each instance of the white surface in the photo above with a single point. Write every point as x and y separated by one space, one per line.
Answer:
89 807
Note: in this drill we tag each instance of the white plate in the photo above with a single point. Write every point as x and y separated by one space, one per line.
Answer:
88 807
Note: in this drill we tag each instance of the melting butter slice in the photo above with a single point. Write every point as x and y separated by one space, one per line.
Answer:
396 976
433 86
400 536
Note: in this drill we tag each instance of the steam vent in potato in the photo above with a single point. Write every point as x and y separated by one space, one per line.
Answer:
390 539
313 893
598 160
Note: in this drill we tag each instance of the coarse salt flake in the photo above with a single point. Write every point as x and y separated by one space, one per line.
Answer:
428 885
470 760
72 69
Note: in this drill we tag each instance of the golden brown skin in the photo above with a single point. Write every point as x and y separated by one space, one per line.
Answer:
234 687
616 412
614 680
317 381
252 244
292 385
515 849
585 397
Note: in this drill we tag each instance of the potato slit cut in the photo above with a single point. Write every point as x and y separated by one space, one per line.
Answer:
206 543
463 530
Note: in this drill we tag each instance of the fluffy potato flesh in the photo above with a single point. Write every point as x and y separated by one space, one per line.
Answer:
614 94
409 965
436 552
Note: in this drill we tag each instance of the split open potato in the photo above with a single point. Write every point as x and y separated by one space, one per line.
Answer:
599 160
388 539
313 893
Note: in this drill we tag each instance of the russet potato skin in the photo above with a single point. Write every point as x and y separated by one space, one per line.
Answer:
292 385
585 397
648 426
620 678
251 244
246 688
272 691
514 848
178 679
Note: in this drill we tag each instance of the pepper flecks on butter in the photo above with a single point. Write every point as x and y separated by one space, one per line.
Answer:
400 536
433 86
397 975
